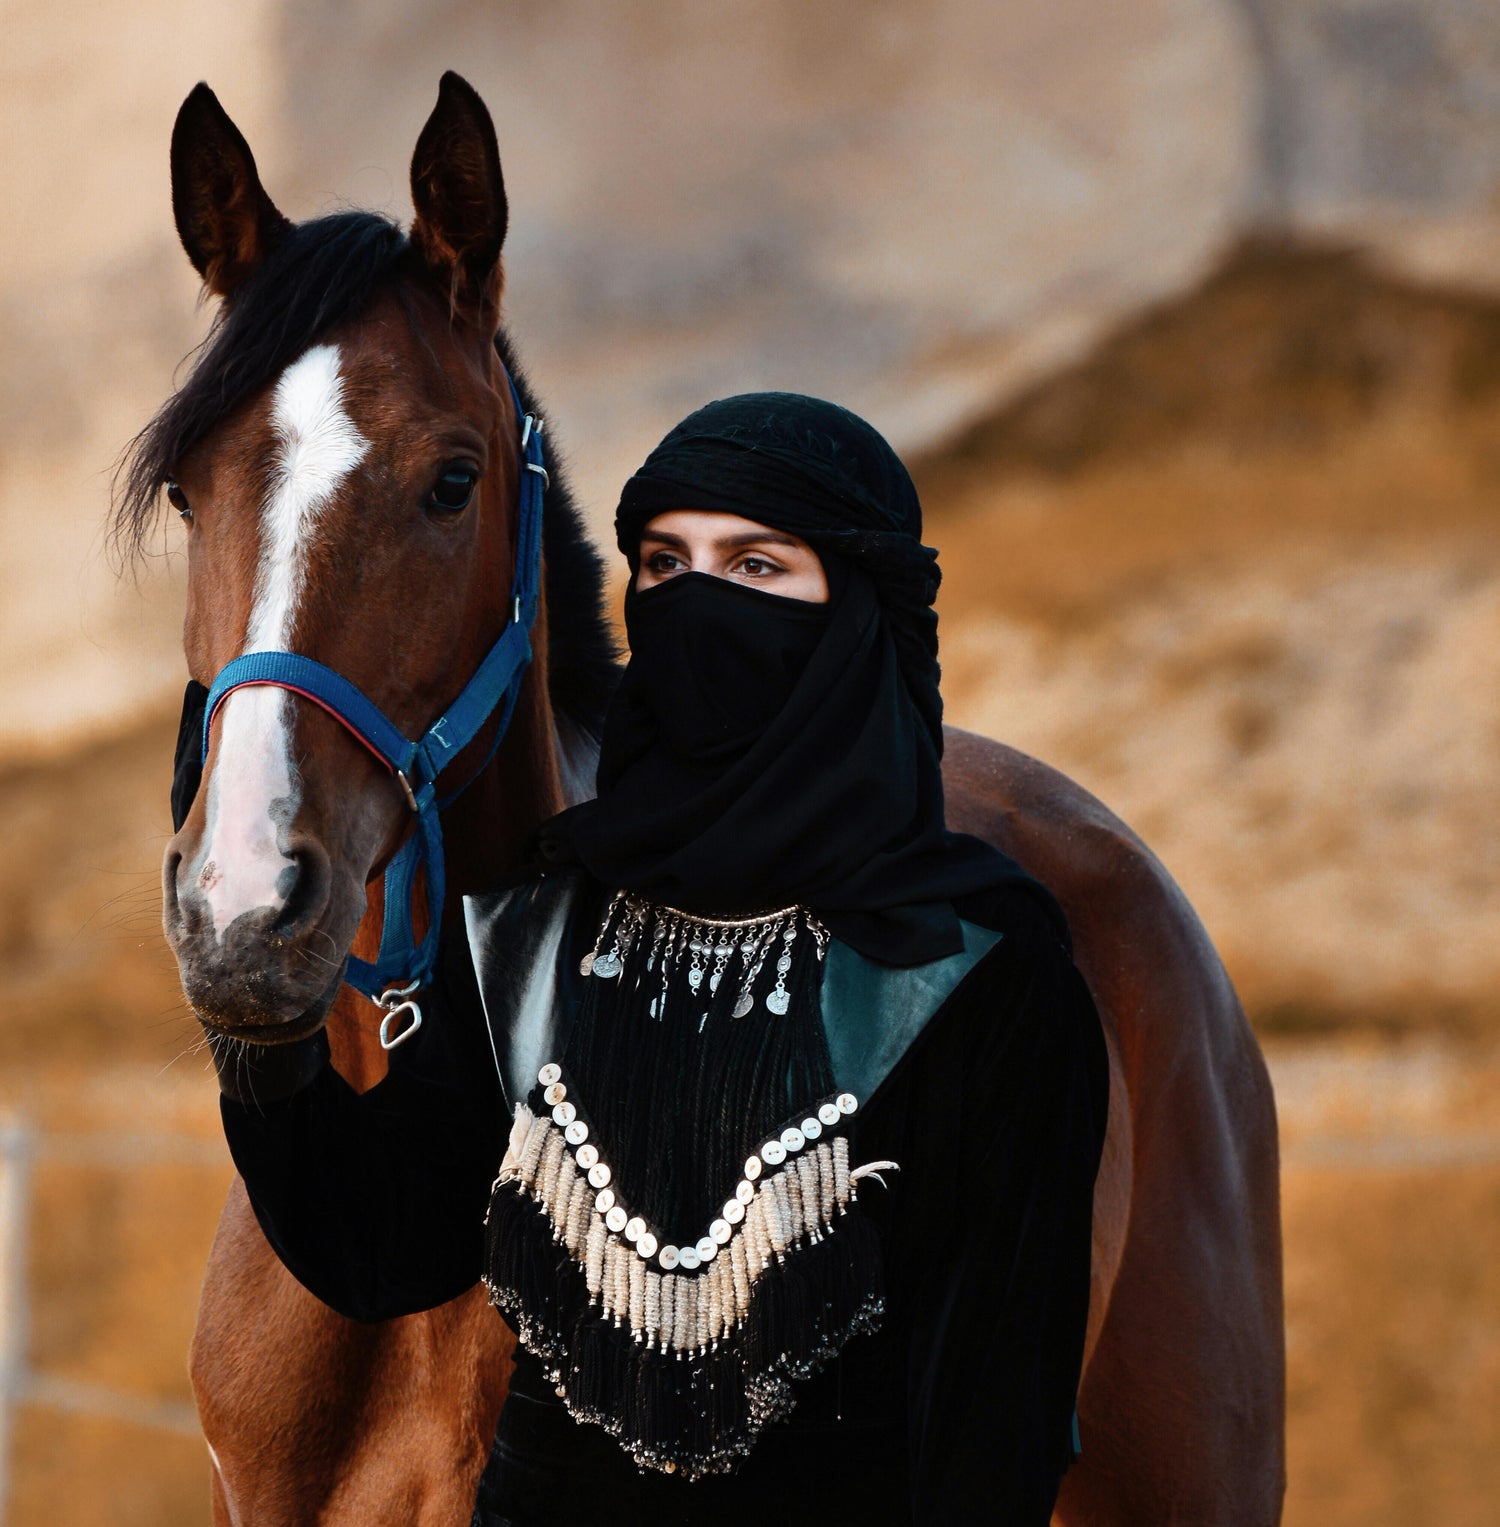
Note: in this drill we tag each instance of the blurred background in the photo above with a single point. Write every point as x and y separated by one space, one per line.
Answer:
1187 315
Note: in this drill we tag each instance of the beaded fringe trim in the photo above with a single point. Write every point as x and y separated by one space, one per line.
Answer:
790 1195
683 1353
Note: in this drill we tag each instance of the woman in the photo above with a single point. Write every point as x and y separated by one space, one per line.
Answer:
804 1096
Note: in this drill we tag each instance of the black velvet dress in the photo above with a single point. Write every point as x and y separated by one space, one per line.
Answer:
959 1409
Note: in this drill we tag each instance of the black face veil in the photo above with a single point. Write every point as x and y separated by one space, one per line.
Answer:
764 750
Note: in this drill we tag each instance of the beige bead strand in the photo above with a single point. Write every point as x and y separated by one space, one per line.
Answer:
575 1225
624 1256
593 1261
531 1155
777 1215
807 1180
826 1189
653 1308
841 1171
791 1197
740 1271
547 1171
716 1298
750 1236
703 1291
681 1335
765 1199
637 1277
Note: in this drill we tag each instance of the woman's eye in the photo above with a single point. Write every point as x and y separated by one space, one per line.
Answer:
663 562
758 567
453 490
179 501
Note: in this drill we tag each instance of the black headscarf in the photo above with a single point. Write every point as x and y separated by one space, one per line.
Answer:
763 750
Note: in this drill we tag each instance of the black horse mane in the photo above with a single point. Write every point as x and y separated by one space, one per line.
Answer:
318 275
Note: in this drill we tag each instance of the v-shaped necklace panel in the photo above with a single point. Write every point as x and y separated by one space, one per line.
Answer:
677 1274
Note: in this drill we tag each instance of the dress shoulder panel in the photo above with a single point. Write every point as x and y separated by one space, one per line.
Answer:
521 939
874 1013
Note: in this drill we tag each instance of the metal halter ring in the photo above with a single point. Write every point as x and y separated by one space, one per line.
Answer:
397 1000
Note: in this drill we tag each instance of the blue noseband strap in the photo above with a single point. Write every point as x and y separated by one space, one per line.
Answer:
491 693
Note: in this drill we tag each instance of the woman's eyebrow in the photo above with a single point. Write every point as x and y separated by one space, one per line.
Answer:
722 543
755 538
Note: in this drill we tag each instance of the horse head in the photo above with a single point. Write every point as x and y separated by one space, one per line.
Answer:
346 455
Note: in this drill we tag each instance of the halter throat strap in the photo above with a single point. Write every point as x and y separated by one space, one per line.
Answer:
404 965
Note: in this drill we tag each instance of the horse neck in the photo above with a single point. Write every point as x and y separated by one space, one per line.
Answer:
483 832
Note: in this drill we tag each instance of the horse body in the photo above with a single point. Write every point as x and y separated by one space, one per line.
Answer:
311 1417
1181 1405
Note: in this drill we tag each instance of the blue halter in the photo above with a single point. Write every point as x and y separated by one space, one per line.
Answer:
404 966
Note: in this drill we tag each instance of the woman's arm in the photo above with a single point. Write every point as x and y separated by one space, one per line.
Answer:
1012 1104
375 1202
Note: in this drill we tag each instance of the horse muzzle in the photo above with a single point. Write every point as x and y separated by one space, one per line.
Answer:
266 974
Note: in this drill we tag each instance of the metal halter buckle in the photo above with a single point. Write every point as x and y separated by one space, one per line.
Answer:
397 1000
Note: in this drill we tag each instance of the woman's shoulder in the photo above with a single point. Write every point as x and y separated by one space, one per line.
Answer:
1016 966
1023 911
524 938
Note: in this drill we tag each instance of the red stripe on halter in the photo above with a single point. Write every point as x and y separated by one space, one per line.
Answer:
322 705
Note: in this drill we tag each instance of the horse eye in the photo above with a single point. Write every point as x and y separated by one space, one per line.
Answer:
453 490
178 500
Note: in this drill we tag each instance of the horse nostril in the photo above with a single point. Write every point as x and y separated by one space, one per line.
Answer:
303 885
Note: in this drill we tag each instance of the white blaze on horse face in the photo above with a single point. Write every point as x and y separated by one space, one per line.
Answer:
253 790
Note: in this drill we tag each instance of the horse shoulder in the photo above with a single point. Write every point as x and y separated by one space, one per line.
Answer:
1188 1081
1137 939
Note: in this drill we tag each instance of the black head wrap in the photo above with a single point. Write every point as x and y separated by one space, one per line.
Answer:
764 750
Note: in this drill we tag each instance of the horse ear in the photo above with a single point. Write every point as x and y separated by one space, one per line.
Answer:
225 220
459 196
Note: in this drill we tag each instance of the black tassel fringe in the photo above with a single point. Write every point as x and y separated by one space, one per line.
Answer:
696 1412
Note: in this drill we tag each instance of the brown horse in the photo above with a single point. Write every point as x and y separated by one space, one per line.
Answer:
363 389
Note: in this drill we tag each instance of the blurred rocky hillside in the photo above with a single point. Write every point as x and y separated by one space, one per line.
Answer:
1238 572
917 206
